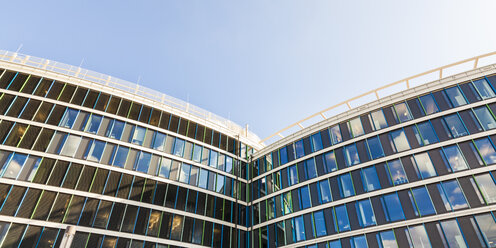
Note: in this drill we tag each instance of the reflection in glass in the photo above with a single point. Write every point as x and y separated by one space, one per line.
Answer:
387 239
370 179
419 237
197 151
184 173
375 147
392 207
310 168
453 234
365 213
138 135
293 175
14 167
486 150
455 125
325 191
455 96
165 165
358 242
305 197
400 142
454 194
427 133
335 135
429 104
487 187
69 118
120 156
402 112
420 198
70 146
299 228
159 141
95 150
203 179
316 142
179 147
299 149
213 159
320 227
455 158
485 118
346 185
342 218
115 129
424 165
351 155
487 226
398 175
485 91
330 162
378 120
93 123
355 127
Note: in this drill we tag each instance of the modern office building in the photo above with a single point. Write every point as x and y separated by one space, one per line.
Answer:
95 161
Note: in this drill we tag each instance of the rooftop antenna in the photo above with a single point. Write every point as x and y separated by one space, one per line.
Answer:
19 48
81 64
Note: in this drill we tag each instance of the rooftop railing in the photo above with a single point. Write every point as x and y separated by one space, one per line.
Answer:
156 97
369 96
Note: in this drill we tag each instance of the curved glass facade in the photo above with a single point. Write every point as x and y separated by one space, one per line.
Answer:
417 169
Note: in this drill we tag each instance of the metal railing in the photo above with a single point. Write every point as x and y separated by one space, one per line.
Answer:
375 92
156 97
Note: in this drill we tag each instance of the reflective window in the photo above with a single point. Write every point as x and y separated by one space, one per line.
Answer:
299 228
428 136
486 150
482 86
120 156
487 187
179 148
71 145
336 134
392 207
293 175
138 136
370 179
453 234
203 178
342 218
283 155
346 185
455 125
429 104
325 191
365 213
455 96
398 175
387 239
485 118
159 141
358 242
351 155
355 127
197 152
95 150
402 112
165 166
330 162
487 226
229 164
454 194
455 158
378 120
419 237
219 188
424 165
306 201
310 168
316 142
14 167
143 162
69 118
299 149
421 199
115 129
319 222
93 123
335 244
375 147
400 142
287 203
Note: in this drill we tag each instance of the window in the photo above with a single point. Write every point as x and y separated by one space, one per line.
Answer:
325 191
454 194
424 165
392 207
375 147
115 129
418 236
346 185
429 104
455 158
69 118
397 173
165 166
93 123
203 178
455 125
487 227
342 218
355 126
120 156
486 150
370 179
197 152
402 112
316 142
453 234
71 144
387 239
378 120
299 149
299 229
319 222
330 162
399 140
455 96
138 136
179 148
94 151
14 165
428 136
293 175
358 242
336 135
283 155
485 91
229 164
305 200
487 187
351 155
365 213
485 118
143 162
287 203
159 141
421 199
310 168
219 188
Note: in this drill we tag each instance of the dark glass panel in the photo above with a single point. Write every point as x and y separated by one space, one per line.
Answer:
200 133
86 178
125 186
13 236
116 216
137 188
200 205
142 221
43 87
470 93
58 173
44 205
6 78
89 211
207 233
174 123
148 191
442 100
5 102
216 139
18 82
17 106
13 201
43 140
165 225
56 115
160 190
102 101
113 105
183 126
129 219
170 199
164 120
59 207
112 183
208 136
74 210
29 203
55 89
124 108
43 112
43 171
30 109
15 134
99 181
79 96
90 100
48 237
67 93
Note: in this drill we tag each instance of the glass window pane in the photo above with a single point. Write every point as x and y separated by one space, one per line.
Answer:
453 234
398 175
370 179
143 162
392 207
455 96
299 228
115 130
316 142
197 151
419 236
229 164
351 155
365 213
346 185
455 125
179 147
427 132
70 146
485 91
336 135
454 194
487 187
138 136
486 150
402 112
319 221
184 173
455 158
310 168
342 218
306 201
213 159
429 104
219 188
283 155
121 156
424 165
325 191
203 178
159 141
69 118
93 123
485 118
375 147
165 166
15 164
330 162
299 149
293 175
487 226
399 140
378 119
355 127
387 239
358 242
95 151
423 201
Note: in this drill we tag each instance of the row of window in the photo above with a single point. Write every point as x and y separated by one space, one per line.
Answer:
115 216
410 137
81 96
462 232
63 174
47 140
32 109
442 100
451 195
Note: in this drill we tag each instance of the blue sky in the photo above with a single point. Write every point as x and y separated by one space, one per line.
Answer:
265 63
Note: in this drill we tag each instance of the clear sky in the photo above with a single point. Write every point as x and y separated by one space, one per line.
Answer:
265 63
